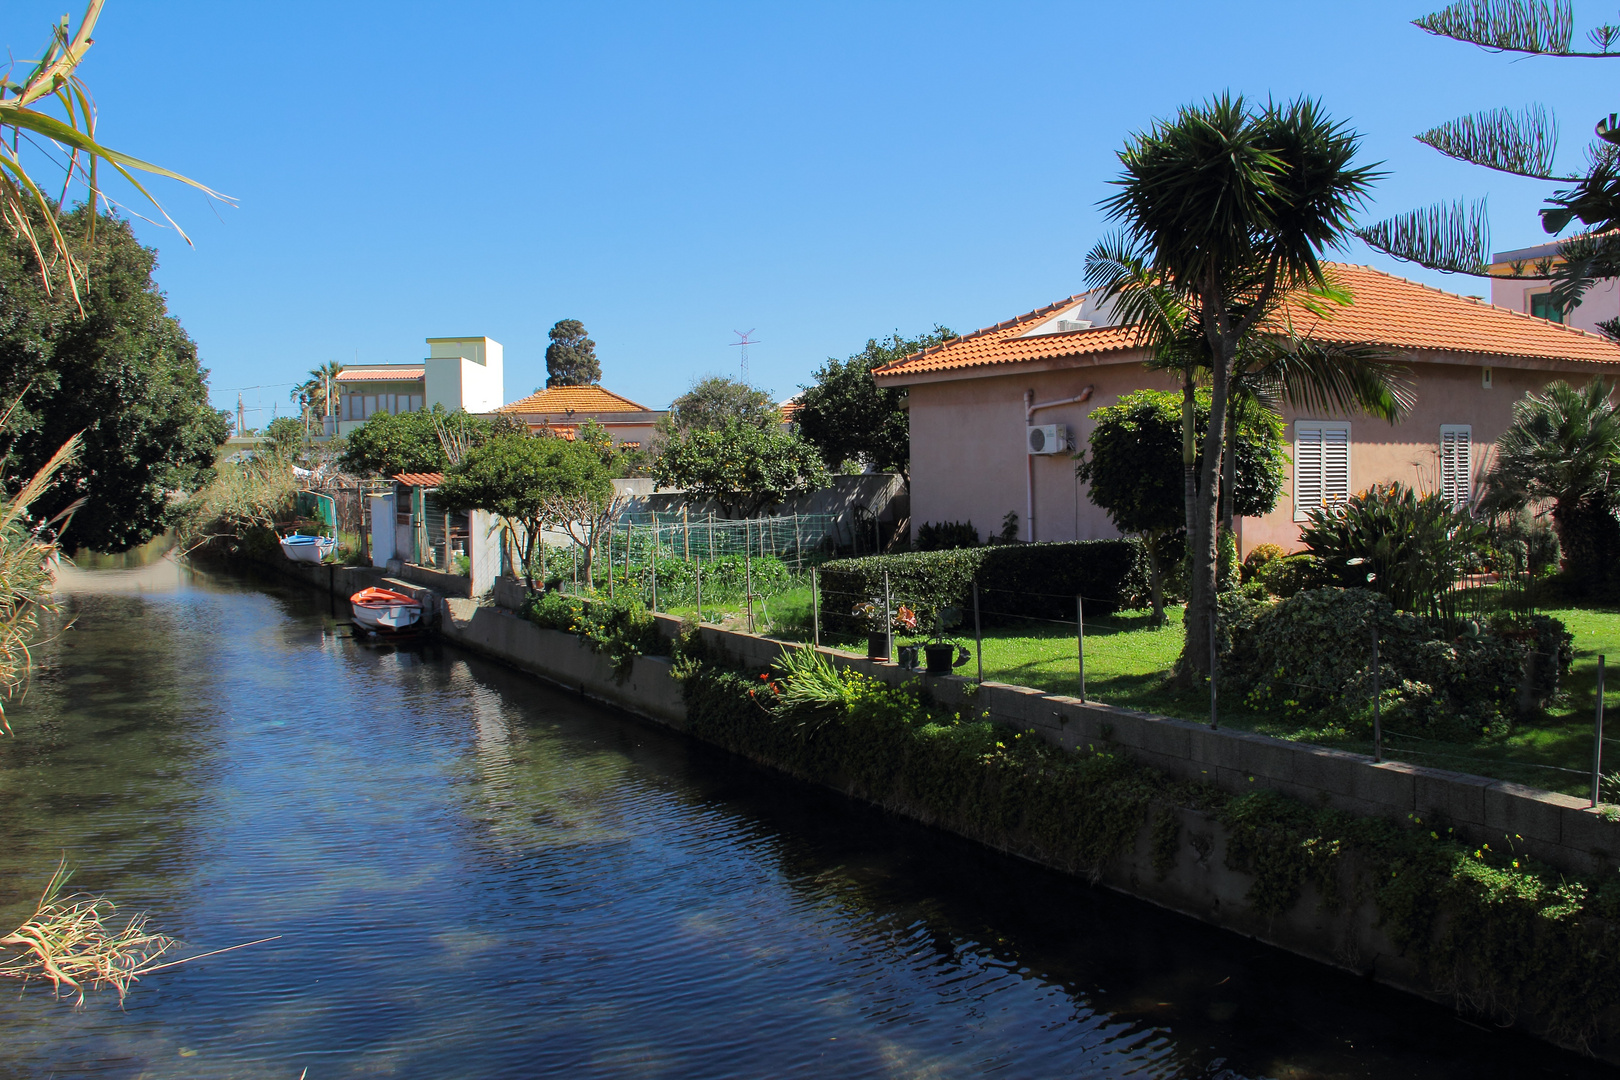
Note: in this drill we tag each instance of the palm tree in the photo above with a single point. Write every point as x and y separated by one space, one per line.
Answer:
1234 206
1276 366
316 395
24 207
1563 447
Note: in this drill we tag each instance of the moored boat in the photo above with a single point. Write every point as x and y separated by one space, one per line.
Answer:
308 549
384 610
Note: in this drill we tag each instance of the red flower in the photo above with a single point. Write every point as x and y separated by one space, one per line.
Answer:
765 676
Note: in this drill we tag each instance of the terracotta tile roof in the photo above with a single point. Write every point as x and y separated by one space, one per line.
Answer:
559 399
419 479
1388 311
380 374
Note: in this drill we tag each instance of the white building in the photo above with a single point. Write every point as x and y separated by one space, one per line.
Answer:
458 373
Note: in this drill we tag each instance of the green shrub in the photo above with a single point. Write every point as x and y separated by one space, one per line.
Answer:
1311 655
1526 543
1487 925
621 628
1037 580
946 536
1258 558
1291 574
1228 570
1389 539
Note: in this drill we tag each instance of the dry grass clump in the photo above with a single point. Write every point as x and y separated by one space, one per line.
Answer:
27 561
72 941
243 495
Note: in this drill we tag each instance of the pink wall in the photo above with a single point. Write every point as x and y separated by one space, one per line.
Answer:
968 459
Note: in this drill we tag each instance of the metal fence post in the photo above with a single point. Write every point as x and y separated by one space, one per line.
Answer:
888 617
1214 716
1597 738
1378 727
699 567
1080 641
610 562
654 605
748 584
978 635
815 605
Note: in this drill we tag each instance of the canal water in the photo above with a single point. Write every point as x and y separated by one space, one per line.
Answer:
473 875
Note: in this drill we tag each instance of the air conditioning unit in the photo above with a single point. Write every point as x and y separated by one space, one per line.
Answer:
1069 326
1047 438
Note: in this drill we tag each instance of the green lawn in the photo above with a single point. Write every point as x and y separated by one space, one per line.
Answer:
1128 662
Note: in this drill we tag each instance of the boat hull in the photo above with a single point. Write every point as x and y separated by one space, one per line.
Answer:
385 611
307 549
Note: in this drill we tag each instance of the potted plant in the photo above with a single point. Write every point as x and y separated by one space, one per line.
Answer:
870 614
941 653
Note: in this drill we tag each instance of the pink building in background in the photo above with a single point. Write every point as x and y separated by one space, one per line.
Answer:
996 415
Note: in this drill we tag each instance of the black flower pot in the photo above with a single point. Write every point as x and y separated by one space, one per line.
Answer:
877 646
908 657
939 658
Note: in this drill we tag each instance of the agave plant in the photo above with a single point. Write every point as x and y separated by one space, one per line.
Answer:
24 206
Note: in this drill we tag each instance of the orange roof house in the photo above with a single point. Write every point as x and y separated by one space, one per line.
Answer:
996 414
563 408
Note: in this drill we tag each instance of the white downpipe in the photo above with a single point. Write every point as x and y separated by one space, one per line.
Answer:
1031 406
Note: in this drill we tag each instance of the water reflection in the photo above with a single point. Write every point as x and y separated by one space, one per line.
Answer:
478 876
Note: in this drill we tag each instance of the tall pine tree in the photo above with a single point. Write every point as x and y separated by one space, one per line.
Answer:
571 356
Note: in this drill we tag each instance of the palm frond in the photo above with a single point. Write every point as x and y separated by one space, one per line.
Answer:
1526 26
1521 143
1326 377
1452 237
55 77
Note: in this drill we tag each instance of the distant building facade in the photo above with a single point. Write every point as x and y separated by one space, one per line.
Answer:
458 373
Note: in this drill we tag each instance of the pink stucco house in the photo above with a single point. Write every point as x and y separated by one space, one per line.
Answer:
995 415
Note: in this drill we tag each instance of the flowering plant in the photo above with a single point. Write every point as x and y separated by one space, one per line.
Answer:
870 613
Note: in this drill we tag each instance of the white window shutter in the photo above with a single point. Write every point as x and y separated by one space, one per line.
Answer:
1456 464
1321 465
1307 472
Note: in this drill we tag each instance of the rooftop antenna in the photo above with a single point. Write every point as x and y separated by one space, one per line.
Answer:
747 339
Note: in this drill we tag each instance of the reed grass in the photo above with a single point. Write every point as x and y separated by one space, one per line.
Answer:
73 941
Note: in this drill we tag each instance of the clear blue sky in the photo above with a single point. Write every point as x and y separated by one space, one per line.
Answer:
669 173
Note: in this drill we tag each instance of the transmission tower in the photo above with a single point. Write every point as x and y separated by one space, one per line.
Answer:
746 339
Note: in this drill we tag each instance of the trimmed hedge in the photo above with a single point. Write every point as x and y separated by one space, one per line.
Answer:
1036 580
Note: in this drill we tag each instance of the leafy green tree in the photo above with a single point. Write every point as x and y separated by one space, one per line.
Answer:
1563 447
390 443
123 371
715 401
848 417
1233 206
286 435
1455 238
742 467
1133 467
571 356
517 476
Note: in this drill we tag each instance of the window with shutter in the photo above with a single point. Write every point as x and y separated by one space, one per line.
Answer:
1321 465
1456 464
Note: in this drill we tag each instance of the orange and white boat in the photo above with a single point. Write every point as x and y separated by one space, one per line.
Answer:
384 610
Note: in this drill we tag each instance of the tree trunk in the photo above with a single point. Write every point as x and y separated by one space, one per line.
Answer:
1204 541
1229 466
1155 576
1189 450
